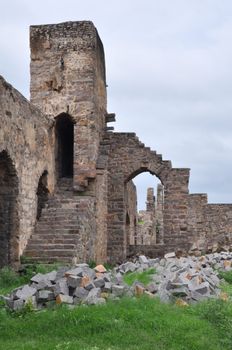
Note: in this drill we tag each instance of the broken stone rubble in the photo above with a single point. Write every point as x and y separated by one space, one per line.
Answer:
191 279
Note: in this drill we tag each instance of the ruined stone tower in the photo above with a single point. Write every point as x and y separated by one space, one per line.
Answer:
68 82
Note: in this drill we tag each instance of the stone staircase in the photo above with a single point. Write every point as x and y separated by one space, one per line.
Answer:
56 236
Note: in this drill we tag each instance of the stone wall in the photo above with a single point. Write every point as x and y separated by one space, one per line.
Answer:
131 212
127 157
210 225
100 239
68 76
26 137
219 226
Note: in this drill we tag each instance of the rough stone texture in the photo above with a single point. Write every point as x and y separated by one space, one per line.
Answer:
25 152
68 76
131 213
66 190
185 279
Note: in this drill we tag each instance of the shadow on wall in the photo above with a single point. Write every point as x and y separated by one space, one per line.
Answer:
64 145
9 223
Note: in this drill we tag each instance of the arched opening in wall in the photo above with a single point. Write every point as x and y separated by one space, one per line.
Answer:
145 203
42 193
9 224
64 145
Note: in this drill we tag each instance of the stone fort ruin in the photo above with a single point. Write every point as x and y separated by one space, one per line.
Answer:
66 190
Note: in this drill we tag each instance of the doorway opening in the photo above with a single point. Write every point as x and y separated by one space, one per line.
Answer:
65 145
145 201
42 194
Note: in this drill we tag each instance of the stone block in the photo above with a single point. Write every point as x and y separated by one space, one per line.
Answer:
74 281
78 271
85 281
38 278
117 290
94 296
107 287
61 287
100 268
44 284
139 290
79 295
99 282
107 277
51 276
179 292
170 255
89 286
64 299
143 259
45 295
26 292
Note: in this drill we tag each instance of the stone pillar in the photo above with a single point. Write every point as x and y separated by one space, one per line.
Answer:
68 76
176 209
116 244
159 220
150 204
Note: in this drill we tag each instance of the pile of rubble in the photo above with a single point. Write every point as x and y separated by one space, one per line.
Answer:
189 279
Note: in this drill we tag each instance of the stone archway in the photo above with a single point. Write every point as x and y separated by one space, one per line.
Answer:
8 211
64 145
127 157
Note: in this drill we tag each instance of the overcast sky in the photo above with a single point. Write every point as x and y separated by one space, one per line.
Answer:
169 74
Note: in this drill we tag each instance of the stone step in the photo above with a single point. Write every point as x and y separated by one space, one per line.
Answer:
64 210
51 259
49 246
58 232
65 219
52 240
50 252
57 225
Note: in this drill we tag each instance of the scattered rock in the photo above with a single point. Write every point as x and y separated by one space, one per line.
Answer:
100 268
118 290
25 293
143 259
64 299
187 279
170 255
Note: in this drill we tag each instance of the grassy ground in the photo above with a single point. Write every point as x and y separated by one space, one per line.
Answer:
143 277
127 324
138 324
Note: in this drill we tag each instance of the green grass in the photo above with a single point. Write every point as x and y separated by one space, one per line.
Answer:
130 323
143 277
9 279
133 324
226 275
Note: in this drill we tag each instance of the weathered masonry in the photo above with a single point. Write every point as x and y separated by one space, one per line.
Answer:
66 180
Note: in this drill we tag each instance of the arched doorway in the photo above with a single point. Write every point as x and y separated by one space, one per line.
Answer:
150 197
64 145
42 193
147 201
8 211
